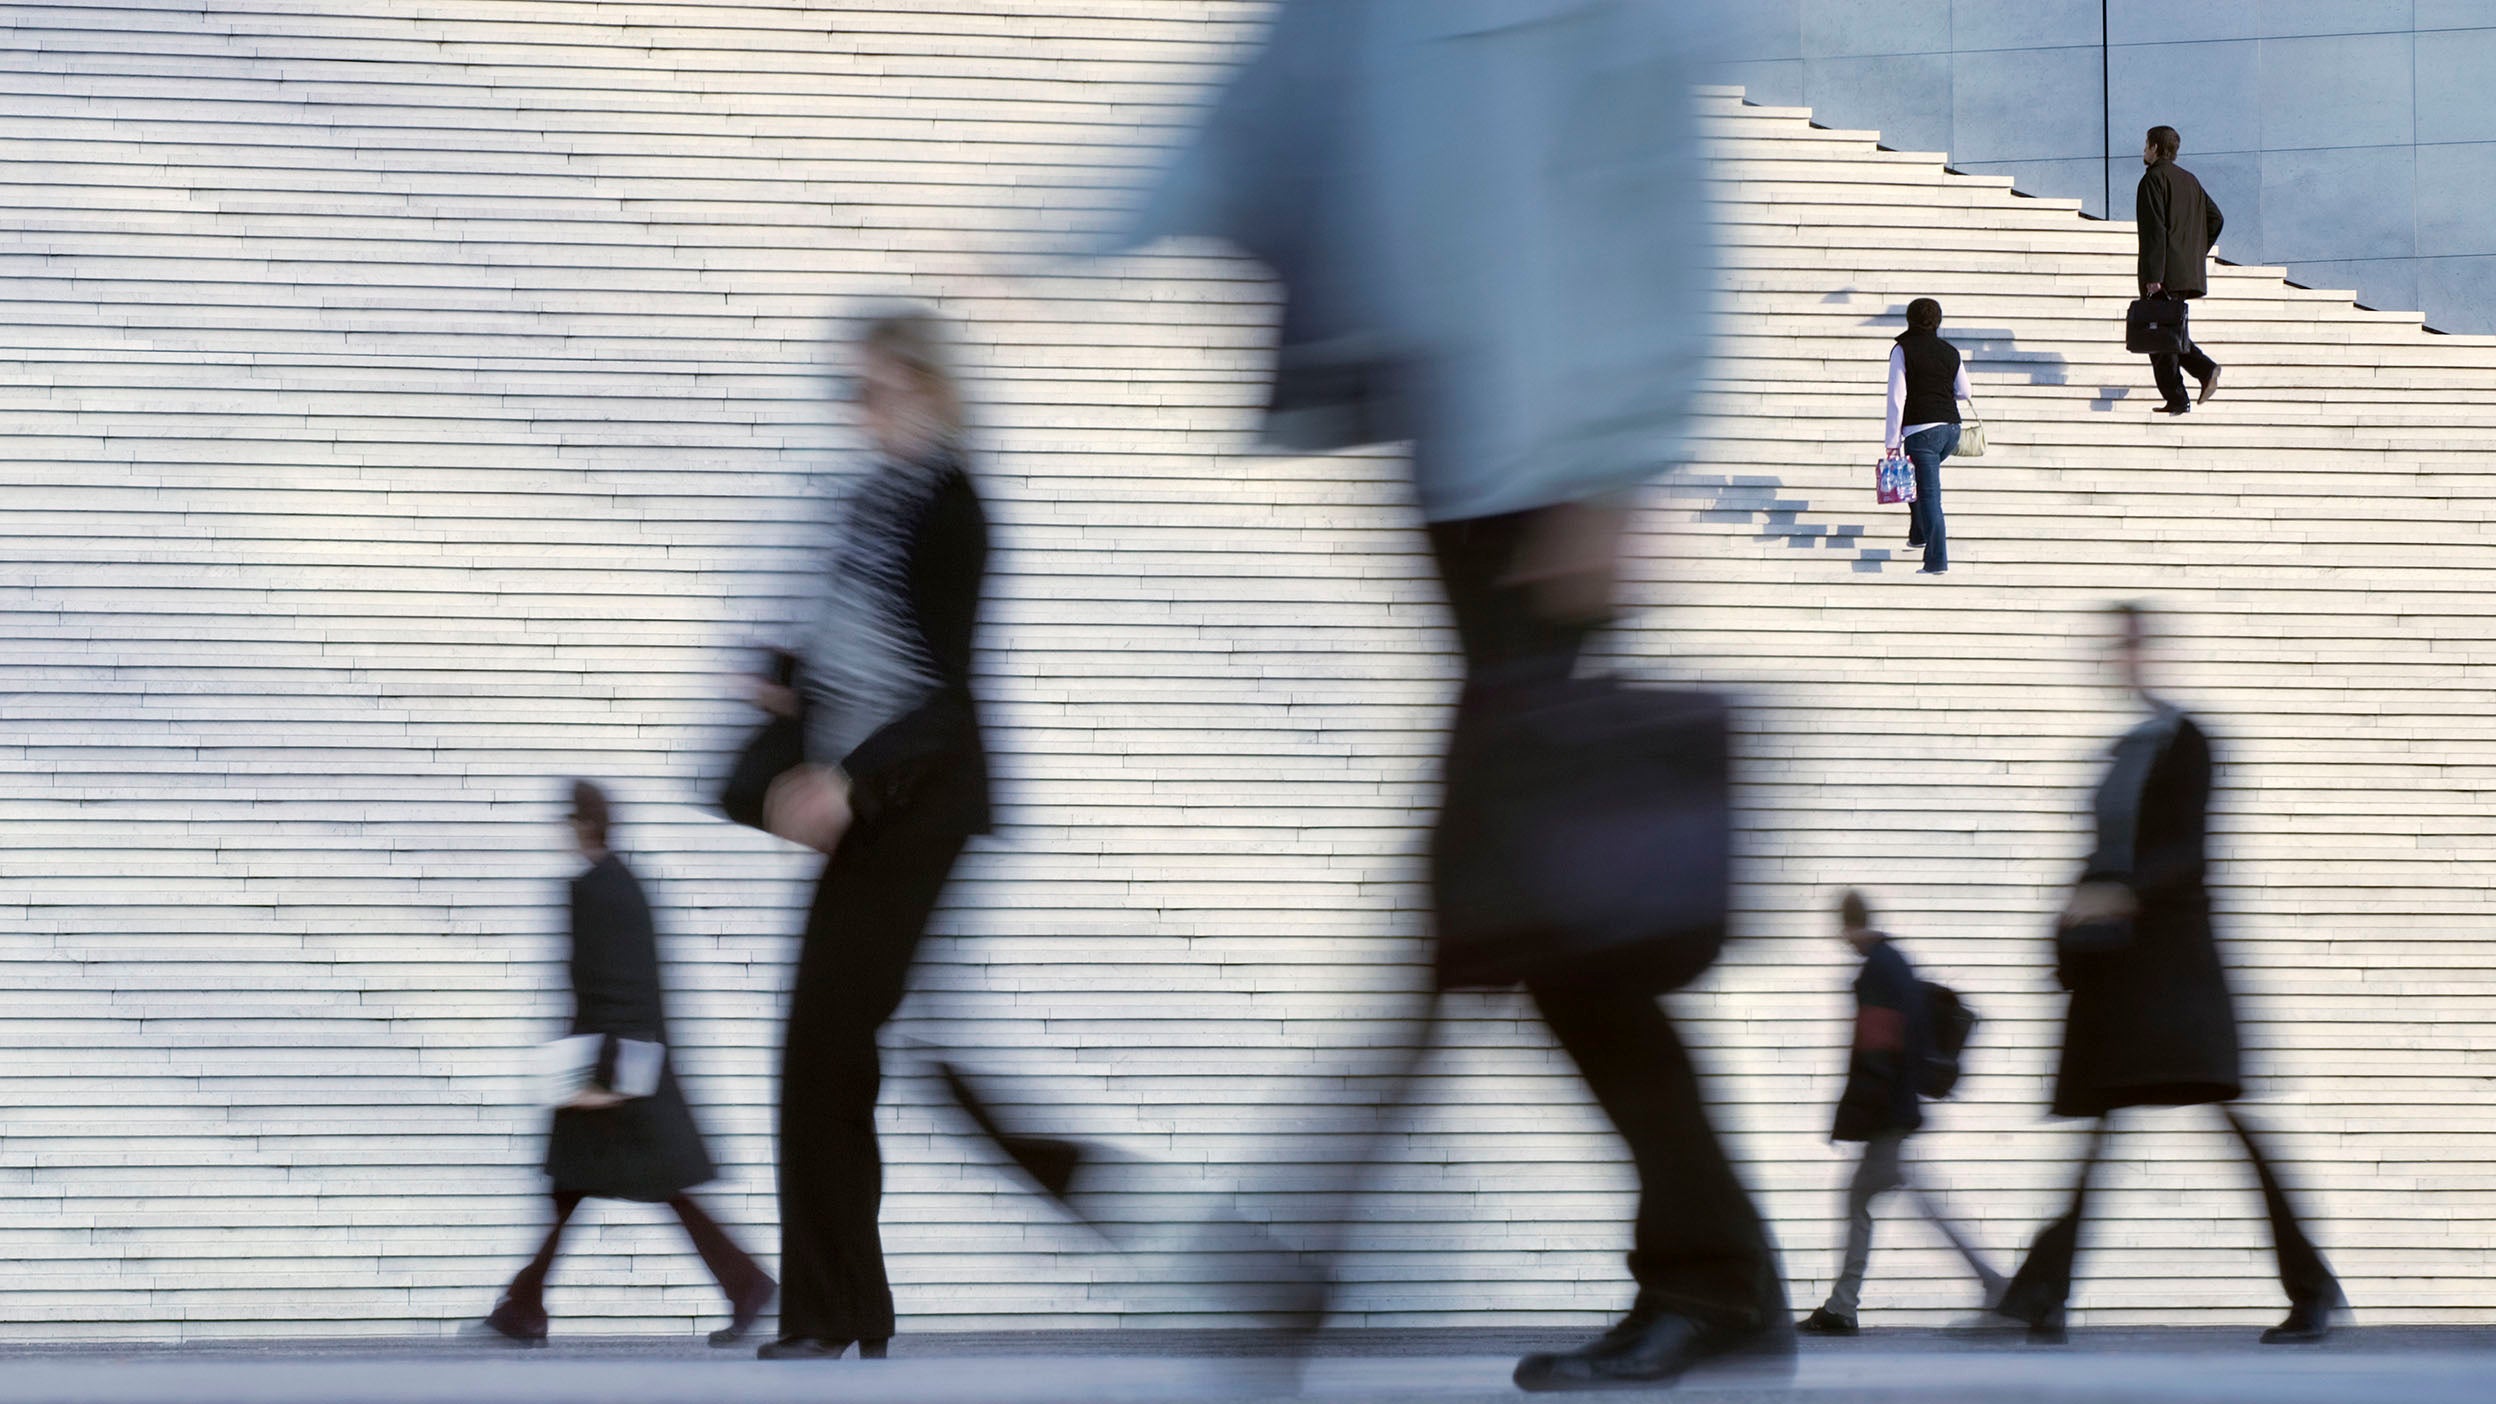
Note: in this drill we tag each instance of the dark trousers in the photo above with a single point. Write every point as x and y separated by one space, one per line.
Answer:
870 909
2170 370
2043 1284
523 1307
1925 527
1699 1246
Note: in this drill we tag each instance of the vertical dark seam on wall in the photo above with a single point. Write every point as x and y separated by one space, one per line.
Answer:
2106 109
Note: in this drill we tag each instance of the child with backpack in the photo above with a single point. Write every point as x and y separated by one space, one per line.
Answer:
1908 1037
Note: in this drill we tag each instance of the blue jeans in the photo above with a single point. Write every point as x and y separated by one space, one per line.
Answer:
1926 449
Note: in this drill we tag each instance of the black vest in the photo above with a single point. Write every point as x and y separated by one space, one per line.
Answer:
1932 379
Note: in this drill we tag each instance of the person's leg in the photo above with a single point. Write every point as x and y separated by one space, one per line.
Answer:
869 912
2163 365
2302 1272
1701 1250
1926 451
2043 1284
522 1311
739 1277
1992 1280
2197 364
1875 1175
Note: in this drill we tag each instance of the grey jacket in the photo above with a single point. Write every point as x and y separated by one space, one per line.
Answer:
1489 220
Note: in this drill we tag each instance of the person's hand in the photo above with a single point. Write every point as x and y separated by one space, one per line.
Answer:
779 699
809 804
2094 902
592 1099
1897 449
2155 289
1571 559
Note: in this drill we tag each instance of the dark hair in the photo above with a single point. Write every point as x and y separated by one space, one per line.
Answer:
1923 314
2168 141
591 810
2132 617
1854 911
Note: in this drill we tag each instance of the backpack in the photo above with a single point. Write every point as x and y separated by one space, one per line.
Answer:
1952 1024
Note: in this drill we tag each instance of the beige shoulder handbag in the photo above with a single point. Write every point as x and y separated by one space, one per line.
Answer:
1971 434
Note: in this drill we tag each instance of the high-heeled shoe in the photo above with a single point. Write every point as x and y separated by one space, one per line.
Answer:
2310 1321
808 1348
745 1311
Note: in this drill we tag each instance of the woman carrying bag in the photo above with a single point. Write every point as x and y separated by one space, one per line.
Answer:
1927 379
610 1140
874 759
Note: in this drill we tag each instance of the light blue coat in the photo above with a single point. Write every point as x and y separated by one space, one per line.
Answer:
1490 221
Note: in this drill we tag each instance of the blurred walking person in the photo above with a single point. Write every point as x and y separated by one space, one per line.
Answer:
1493 239
1882 1106
875 760
1927 379
2178 222
605 1144
2151 1021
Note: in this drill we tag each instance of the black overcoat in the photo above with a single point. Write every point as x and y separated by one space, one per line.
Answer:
2152 1023
2178 223
647 1147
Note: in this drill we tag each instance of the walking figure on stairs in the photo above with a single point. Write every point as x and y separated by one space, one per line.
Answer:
2178 223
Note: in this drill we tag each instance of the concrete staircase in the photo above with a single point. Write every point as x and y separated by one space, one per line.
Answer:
413 410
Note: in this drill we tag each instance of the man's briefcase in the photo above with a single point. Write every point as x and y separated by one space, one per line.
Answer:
2155 327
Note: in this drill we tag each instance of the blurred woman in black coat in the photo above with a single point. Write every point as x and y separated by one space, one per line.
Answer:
892 787
606 1146
2152 1022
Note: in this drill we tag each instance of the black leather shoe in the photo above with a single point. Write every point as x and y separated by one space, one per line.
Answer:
744 1312
801 1348
1824 1322
2049 1329
1651 1350
2210 387
874 1350
2309 1322
2185 408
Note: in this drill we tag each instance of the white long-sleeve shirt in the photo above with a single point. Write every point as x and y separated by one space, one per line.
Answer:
1898 395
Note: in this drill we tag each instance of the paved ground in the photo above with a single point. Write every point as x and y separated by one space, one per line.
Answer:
2385 1366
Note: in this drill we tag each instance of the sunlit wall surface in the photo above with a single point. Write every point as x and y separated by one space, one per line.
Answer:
2352 140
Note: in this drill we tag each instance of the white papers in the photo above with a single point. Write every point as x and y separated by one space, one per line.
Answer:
636 1067
567 1065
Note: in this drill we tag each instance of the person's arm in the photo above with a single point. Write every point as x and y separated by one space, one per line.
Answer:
2215 220
1965 391
1897 394
1873 1064
2150 212
2173 847
614 966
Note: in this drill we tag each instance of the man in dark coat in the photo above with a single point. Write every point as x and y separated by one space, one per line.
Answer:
1881 1107
2178 224
607 1145
2151 1021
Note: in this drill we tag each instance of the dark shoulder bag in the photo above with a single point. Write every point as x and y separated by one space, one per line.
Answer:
1586 833
775 748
